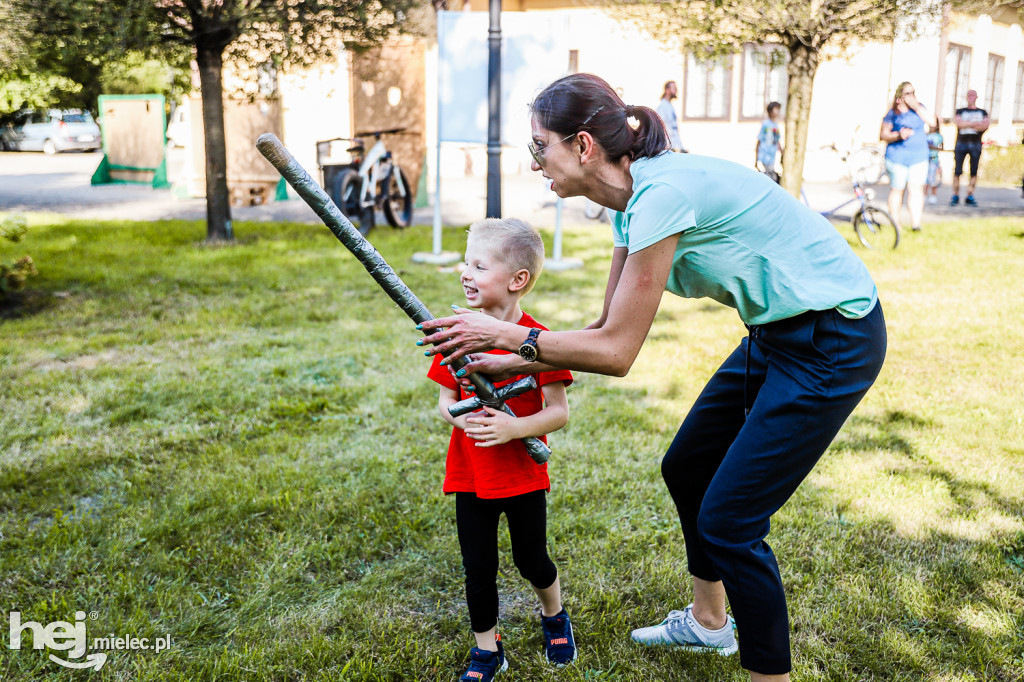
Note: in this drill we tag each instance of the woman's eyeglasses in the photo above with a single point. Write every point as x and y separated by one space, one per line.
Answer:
538 152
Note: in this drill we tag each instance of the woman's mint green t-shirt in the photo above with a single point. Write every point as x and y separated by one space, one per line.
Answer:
743 240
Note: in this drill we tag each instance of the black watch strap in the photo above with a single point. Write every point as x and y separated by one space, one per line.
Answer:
528 351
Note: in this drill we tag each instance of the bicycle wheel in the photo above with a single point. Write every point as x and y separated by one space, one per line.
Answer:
875 228
398 199
346 190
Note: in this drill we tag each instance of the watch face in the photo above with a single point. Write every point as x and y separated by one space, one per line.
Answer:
528 352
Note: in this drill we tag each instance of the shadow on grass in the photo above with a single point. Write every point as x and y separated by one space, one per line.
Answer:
887 433
879 604
26 303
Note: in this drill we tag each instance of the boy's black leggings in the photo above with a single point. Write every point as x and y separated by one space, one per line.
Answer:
477 522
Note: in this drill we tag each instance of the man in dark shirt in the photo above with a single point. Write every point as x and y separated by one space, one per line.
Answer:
971 122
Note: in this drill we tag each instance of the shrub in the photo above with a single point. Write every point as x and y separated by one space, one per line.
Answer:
1001 165
14 273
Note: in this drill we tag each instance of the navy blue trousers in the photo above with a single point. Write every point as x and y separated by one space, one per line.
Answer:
729 471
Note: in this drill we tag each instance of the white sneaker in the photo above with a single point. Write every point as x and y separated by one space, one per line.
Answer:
932 200
681 629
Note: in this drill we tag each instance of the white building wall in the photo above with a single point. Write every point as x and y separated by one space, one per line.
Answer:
317 105
852 91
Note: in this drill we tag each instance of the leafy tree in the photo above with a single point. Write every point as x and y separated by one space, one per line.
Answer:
14 273
273 32
137 74
803 29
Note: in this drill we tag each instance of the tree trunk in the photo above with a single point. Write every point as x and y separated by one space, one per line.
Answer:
803 64
218 205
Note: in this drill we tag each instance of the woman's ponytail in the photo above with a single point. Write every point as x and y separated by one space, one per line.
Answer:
585 102
650 137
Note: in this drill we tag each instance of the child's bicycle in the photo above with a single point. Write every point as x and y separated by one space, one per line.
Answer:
372 180
873 225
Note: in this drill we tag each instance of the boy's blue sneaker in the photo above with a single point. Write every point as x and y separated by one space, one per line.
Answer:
484 665
954 200
681 629
559 644
970 201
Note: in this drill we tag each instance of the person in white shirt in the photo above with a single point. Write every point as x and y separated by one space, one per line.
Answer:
668 115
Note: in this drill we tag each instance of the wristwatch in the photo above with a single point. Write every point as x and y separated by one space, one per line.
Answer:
528 351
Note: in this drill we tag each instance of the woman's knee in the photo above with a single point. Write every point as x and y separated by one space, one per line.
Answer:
675 466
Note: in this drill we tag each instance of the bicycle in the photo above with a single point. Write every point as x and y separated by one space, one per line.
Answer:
873 225
371 181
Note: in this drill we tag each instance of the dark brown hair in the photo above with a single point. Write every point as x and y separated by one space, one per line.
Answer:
583 101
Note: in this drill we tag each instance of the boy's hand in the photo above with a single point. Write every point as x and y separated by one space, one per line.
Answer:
493 427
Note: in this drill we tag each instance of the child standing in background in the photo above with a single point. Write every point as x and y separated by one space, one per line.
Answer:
935 143
488 469
769 142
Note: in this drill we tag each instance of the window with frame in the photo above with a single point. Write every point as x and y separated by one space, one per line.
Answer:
994 86
763 80
1018 95
708 84
958 70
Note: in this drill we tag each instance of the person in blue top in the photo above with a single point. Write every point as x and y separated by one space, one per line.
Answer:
769 141
704 227
904 128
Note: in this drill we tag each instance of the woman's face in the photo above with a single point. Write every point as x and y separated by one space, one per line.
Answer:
905 94
560 160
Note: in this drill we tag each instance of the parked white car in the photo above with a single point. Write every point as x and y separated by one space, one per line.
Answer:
51 131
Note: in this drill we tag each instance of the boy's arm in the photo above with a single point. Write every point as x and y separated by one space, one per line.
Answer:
447 397
495 427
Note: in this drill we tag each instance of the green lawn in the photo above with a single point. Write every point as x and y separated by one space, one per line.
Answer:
237 447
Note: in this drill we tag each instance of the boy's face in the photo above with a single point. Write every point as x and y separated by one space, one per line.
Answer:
486 280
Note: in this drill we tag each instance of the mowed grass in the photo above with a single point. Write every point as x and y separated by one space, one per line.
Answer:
237 446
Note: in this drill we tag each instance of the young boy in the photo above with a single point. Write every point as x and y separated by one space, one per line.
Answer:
488 468
769 141
935 143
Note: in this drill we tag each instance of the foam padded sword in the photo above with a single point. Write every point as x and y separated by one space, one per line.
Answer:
392 284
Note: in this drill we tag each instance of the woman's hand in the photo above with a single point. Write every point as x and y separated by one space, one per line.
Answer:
492 427
496 367
904 133
465 332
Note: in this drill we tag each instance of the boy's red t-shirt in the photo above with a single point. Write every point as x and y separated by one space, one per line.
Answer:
502 470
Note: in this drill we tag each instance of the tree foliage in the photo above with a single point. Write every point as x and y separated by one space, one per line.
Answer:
802 28
13 274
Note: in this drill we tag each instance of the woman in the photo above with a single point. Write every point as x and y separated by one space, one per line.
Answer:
905 128
699 226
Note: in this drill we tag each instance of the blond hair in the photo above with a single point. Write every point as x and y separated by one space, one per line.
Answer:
514 242
899 93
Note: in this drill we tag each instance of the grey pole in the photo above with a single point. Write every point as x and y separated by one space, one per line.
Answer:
494 110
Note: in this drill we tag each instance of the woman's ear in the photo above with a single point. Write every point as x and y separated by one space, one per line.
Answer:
587 146
520 278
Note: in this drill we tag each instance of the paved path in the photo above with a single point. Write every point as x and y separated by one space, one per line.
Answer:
60 184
